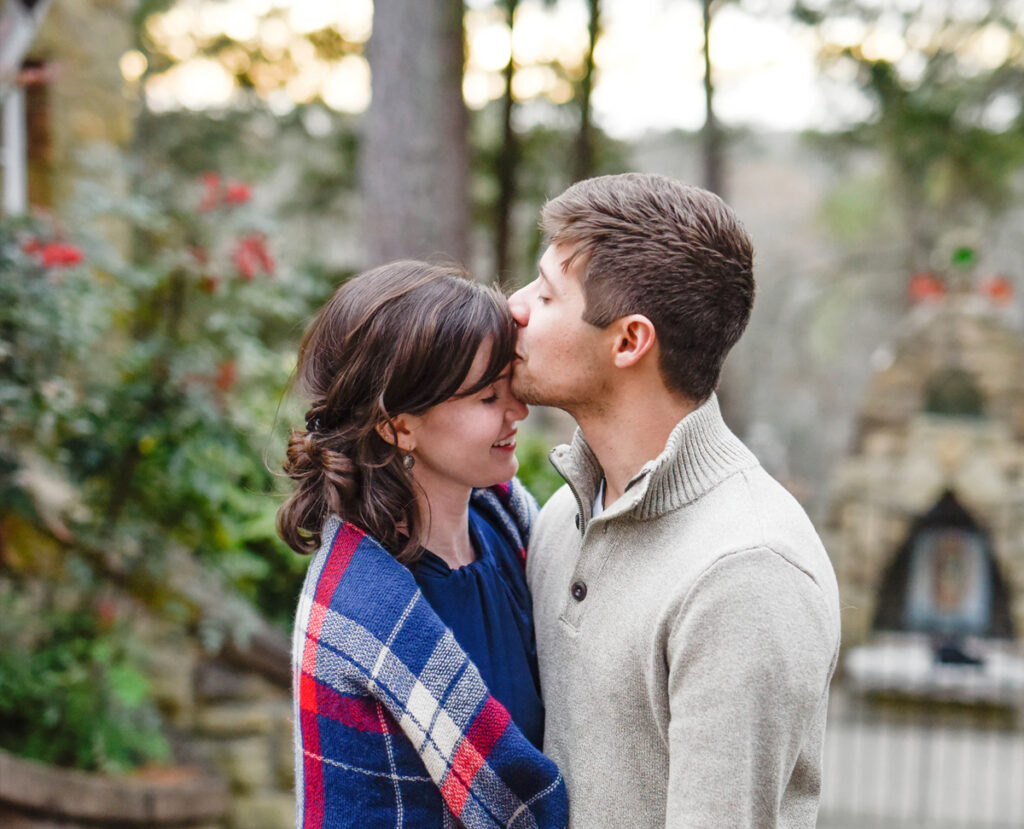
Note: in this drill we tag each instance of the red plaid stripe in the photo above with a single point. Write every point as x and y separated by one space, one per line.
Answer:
471 754
360 713
345 543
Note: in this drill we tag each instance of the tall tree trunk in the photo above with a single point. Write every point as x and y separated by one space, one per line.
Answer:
415 149
507 162
583 163
711 135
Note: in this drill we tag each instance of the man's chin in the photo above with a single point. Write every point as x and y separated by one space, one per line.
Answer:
524 390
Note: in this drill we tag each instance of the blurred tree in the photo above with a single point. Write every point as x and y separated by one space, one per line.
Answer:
583 159
507 158
528 145
415 152
712 136
945 80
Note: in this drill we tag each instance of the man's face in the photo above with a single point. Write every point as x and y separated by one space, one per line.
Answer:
560 359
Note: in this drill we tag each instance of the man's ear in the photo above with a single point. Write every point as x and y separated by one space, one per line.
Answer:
400 431
634 337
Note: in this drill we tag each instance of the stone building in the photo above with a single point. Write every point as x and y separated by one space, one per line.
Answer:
927 519
78 102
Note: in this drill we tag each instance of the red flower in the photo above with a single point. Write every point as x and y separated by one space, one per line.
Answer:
227 374
252 257
56 255
212 197
925 286
997 288
106 613
219 193
237 193
31 246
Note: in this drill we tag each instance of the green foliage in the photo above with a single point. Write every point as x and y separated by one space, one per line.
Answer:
72 689
147 376
946 94
535 470
153 379
851 210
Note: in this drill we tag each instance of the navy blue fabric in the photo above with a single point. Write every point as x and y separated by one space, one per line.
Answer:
487 606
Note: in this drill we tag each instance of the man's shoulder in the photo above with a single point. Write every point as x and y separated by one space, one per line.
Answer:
783 522
557 517
559 509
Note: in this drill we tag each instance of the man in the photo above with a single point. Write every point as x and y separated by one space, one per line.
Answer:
687 614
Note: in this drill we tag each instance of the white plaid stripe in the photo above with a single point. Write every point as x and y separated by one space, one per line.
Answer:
434 709
299 634
412 704
420 708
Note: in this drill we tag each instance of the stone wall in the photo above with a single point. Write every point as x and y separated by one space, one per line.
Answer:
229 719
232 731
219 675
88 107
904 457
241 724
35 796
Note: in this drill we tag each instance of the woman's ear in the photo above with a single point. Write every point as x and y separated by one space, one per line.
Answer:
400 431
634 337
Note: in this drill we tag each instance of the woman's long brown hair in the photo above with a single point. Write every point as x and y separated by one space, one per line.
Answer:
397 339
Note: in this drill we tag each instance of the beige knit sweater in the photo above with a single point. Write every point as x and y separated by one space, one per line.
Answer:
686 638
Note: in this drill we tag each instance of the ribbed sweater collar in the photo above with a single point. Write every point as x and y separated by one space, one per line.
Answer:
700 453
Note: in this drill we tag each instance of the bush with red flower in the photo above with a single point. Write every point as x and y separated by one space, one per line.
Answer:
151 372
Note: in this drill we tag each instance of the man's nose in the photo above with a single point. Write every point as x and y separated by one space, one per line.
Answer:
519 307
517 410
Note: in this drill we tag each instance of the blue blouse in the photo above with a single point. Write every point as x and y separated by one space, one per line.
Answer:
487 606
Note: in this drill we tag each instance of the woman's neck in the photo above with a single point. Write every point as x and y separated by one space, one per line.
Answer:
445 511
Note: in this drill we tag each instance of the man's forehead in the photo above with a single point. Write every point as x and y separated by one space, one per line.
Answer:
559 261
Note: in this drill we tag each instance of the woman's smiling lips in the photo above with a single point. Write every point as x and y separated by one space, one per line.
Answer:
506 444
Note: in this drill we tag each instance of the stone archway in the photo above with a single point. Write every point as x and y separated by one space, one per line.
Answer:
944 579
953 391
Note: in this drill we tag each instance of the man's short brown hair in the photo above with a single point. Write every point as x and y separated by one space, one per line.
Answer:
673 252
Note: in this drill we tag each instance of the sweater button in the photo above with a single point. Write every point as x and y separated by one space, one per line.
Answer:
577 521
579 591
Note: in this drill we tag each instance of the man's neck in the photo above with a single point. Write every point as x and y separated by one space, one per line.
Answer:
626 433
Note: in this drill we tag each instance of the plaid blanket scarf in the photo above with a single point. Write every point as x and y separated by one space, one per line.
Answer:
393 725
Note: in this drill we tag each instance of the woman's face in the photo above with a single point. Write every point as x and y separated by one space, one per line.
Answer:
468 441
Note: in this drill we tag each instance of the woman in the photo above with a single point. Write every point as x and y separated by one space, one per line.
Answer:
413 641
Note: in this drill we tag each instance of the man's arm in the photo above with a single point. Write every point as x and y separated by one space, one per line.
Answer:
750 657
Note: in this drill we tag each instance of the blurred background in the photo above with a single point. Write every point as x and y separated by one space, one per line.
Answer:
185 181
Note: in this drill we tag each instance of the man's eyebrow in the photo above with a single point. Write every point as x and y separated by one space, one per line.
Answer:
543 276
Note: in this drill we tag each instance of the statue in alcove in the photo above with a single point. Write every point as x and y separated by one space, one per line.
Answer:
949 590
945 581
